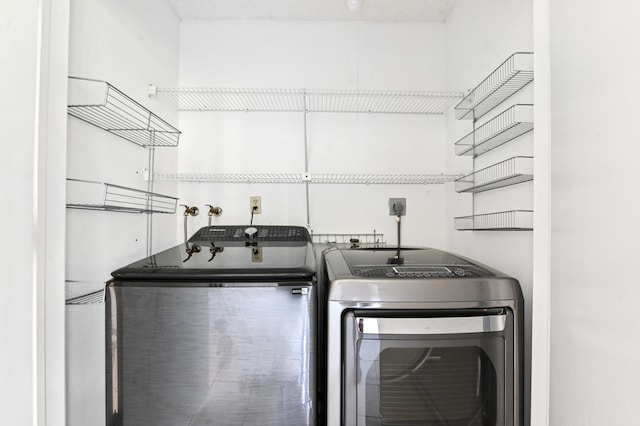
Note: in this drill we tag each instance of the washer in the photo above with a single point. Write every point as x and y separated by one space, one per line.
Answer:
419 336
219 330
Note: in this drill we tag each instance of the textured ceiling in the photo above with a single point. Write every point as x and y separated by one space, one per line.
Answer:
315 10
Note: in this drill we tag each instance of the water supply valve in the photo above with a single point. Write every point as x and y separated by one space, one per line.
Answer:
214 211
190 211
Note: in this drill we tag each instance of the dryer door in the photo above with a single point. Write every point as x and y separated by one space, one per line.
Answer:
428 367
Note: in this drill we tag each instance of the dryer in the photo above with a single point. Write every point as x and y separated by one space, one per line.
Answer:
419 336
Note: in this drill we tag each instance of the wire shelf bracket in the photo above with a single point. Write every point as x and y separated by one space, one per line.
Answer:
102 105
511 76
303 100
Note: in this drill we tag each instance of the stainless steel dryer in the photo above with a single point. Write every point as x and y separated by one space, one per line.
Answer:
421 337
220 330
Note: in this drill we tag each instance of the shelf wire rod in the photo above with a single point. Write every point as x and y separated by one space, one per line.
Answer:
150 191
306 159
473 160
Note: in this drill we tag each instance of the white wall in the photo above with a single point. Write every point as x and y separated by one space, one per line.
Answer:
33 42
130 45
480 36
316 55
594 208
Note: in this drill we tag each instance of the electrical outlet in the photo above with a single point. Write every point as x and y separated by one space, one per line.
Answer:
255 205
256 254
397 206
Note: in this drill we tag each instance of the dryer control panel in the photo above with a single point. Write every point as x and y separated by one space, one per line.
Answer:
419 271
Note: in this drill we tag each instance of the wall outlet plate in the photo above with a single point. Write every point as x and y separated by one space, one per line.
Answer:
394 201
255 201
256 254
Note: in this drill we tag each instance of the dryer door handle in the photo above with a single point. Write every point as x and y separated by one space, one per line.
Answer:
438 325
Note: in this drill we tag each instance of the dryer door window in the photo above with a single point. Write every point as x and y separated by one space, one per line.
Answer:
425 371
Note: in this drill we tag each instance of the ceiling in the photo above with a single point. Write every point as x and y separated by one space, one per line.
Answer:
315 10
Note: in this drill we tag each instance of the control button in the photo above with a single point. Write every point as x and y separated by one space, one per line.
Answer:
250 231
443 275
390 274
402 274
449 274
459 272
419 274
411 274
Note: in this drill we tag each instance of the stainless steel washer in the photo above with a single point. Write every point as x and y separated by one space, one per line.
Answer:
421 337
220 330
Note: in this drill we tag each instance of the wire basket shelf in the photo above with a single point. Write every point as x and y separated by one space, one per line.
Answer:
92 195
102 105
512 220
353 239
506 126
505 173
512 75
84 292
299 100
321 178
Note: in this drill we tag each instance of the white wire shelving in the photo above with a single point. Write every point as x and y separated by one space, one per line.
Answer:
99 103
93 195
84 292
505 127
511 76
361 240
512 220
505 173
300 100
321 178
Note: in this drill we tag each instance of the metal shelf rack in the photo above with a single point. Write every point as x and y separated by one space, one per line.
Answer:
512 220
512 75
508 172
506 126
303 100
361 240
326 178
84 293
92 195
102 105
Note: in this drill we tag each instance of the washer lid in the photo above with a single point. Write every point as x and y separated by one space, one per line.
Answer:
227 253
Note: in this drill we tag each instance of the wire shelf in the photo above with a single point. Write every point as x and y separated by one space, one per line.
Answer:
354 239
505 127
511 76
508 172
100 104
84 293
92 195
332 178
512 220
299 100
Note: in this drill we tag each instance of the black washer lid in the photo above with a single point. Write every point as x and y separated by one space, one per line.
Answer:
225 253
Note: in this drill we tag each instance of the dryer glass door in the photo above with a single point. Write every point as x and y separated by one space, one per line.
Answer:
427 370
